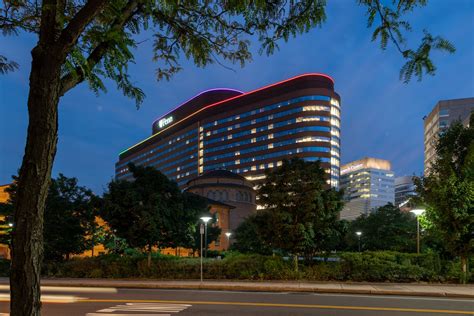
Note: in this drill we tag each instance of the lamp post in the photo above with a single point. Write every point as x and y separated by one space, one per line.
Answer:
201 232
228 239
359 233
205 219
417 213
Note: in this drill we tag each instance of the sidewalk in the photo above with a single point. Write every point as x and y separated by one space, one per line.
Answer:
406 289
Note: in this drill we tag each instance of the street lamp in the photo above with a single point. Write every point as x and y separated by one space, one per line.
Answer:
417 213
228 239
205 219
10 224
359 233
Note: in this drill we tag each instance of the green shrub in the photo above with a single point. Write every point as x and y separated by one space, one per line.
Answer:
378 266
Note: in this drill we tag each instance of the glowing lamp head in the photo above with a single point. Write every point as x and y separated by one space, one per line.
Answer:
359 233
418 212
228 234
10 224
206 219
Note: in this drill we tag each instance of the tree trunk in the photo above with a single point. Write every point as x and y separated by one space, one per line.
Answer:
33 183
464 269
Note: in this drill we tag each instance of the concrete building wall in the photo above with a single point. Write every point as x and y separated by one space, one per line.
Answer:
441 117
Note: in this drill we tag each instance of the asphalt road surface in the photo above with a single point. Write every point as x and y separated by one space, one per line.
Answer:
153 302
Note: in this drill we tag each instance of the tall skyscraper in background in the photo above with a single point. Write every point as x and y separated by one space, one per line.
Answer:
245 133
404 190
443 114
368 183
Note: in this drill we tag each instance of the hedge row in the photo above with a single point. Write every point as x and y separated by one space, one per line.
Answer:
366 266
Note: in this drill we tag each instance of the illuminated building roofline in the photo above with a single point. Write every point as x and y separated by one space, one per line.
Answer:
221 102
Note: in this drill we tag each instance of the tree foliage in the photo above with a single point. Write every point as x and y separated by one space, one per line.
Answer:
142 211
205 32
392 27
254 234
151 211
69 218
385 229
302 209
448 190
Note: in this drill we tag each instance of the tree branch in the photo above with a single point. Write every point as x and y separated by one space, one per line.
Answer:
70 80
70 34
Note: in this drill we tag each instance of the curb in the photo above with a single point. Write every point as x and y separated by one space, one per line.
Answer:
239 287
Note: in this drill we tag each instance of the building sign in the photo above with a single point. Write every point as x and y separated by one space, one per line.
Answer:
165 121
352 168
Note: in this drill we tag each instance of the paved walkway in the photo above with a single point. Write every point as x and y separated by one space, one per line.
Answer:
410 289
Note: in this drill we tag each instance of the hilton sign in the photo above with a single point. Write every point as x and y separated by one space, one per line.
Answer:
165 121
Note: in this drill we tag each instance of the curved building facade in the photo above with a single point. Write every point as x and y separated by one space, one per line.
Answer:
245 132
229 188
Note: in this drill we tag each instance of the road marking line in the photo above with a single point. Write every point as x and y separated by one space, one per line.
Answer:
49 298
144 308
396 297
363 308
70 289
101 314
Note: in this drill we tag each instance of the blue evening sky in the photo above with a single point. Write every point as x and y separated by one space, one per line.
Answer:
381 116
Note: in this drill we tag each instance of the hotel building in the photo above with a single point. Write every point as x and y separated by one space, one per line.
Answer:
441 117
368 183
244 132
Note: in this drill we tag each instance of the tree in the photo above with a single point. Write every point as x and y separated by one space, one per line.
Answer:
93 40
253 234
143 211
387 228
183 234
6 212
448 191
302 209
69 219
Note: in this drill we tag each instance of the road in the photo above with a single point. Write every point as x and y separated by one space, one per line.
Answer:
156 302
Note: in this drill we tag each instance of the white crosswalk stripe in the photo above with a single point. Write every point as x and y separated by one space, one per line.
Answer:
144 309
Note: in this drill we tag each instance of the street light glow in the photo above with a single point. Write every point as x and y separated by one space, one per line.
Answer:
228 234
206 219
418 211
358 233
10 224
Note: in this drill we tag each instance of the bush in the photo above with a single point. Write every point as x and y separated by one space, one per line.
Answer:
367 266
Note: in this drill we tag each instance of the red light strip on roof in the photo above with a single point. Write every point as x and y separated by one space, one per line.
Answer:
226 100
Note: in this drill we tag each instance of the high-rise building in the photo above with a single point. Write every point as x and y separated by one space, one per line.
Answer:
368 183
245 133
443 114
404 190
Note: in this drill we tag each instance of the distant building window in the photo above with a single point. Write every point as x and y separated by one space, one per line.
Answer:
444 112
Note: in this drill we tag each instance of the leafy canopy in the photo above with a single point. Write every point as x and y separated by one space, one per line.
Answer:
448 189
151 211
302 209
69 218
101 36
385 229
